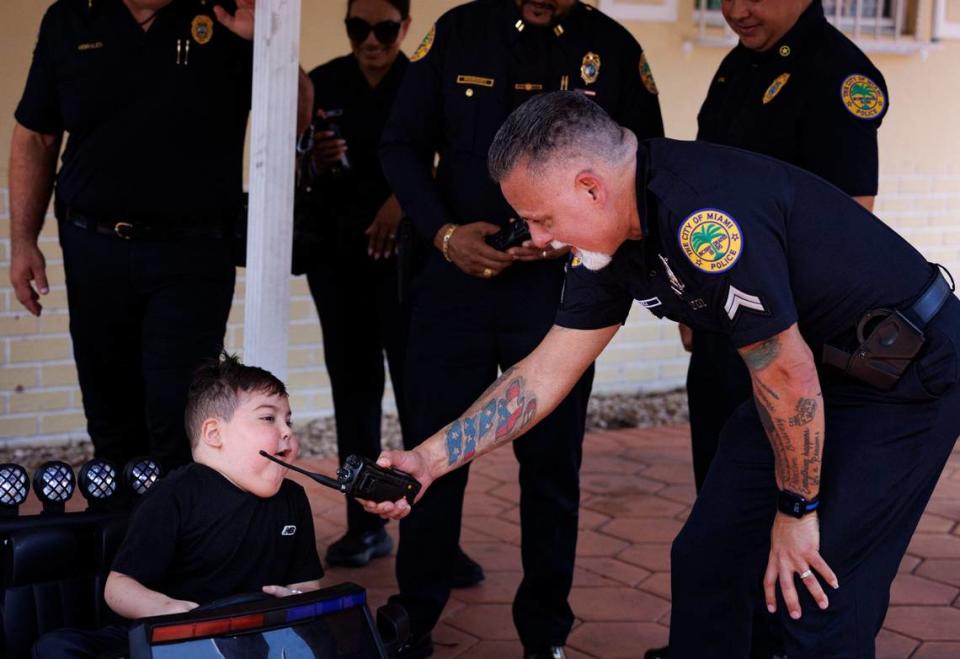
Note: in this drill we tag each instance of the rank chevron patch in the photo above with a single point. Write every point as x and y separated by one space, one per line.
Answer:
737 299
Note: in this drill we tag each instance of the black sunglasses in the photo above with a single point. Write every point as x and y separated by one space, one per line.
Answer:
386 32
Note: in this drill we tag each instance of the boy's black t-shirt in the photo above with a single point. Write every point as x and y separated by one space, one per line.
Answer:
198 537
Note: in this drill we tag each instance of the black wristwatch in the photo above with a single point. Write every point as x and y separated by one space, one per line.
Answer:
793 504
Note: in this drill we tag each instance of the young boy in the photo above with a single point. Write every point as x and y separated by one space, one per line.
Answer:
228 523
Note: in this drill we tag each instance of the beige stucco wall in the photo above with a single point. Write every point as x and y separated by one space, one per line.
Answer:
919 195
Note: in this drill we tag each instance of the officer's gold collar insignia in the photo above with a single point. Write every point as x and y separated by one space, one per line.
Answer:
425 45
519 25
558 30
576 261
590 68
711 240
646 75
862 97
93 45
474 80
784 50
775 87
201 29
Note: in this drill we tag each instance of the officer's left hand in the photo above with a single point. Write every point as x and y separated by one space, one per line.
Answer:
382 232
530 252
413 462
794 549
241 21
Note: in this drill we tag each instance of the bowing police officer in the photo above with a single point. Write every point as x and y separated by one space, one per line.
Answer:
153 96
849 335
477 309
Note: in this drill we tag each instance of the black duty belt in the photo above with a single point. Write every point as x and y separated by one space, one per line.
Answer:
173 229
889 339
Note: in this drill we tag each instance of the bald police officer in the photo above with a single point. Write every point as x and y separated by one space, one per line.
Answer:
848 333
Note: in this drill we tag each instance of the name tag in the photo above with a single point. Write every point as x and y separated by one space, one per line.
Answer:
474 80
527 87
90 46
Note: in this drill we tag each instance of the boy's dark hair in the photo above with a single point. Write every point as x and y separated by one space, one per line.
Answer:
402 6
216 387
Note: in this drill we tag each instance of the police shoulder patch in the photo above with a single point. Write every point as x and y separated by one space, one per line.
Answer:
646 75
425 45
711 240
862 97
201 28
775 87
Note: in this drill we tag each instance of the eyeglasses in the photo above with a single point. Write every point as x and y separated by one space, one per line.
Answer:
386 32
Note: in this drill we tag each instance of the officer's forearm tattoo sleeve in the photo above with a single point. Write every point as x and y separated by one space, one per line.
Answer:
500 415
792 420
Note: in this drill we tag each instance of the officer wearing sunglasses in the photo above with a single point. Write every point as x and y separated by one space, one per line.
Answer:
354 281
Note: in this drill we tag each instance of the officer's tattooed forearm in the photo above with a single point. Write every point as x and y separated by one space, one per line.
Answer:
760 356
500 415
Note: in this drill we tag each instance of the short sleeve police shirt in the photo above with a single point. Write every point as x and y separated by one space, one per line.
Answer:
746 255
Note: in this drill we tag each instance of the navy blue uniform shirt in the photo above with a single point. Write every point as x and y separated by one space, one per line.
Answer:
476 65
813 100
742 244
155 118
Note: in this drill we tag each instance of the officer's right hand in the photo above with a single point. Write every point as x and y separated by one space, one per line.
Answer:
327 147
28 265
470 252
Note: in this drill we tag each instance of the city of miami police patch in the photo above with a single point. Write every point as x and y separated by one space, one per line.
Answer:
711 240
775 87
425 45
201 28
862 97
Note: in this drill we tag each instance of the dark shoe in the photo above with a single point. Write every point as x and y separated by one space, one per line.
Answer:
553 652
658 653
466 571
358 550
416 648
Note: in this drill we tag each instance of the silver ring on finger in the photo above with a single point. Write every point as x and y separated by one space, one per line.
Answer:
806 573
544 253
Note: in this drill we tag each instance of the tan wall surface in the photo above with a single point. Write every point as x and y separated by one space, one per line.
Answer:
919 196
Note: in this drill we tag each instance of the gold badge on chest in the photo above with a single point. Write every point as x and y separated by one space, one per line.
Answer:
201 29
590 68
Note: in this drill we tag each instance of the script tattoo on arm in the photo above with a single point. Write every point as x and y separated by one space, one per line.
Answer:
792 419
501 413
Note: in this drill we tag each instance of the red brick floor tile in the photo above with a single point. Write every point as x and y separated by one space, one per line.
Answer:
378 573
612 568
494 555
480 483
496 588
620 604
675 474
949 508
586 579
931 523
943 570
486 621
910 589
947 487
894 646
617 640
929 545
938 651
511 515
642 505
653 557
658 454
909 563
589 519
508 492
927 623
594 463
468 535
618 484
658 584
483 504
643 529
493 650
685 494
449 642
495 527
592 543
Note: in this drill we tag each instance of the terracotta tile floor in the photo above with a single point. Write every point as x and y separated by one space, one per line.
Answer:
637 490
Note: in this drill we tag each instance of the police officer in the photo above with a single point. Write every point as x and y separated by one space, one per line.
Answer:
848 333
154 96
354 280
476 309
796 89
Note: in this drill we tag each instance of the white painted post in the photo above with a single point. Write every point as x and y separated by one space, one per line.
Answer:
276 54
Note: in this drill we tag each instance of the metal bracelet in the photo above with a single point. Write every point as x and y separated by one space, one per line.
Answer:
446 241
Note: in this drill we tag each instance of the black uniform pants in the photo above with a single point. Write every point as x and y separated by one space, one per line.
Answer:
105 643
361 318
144 314
455 350
882 456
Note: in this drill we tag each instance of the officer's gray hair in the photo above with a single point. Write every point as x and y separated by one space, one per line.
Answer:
565 125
